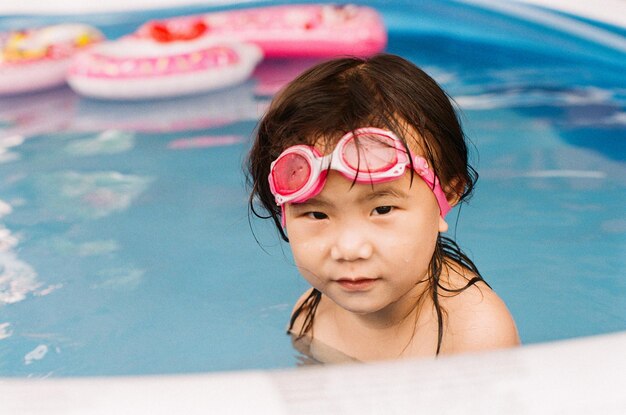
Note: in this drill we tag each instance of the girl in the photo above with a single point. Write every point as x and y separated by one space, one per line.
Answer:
357 162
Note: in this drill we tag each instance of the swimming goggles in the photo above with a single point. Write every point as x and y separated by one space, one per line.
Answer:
367 155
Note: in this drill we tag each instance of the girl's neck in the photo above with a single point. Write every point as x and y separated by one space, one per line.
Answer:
403 312
387 333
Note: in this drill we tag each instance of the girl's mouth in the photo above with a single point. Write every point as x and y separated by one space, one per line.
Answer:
357 284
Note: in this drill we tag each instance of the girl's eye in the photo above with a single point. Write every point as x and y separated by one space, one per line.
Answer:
383 210
317 215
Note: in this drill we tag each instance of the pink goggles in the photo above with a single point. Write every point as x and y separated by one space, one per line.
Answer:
299 173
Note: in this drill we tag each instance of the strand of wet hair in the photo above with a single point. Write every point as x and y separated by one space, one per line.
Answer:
309 305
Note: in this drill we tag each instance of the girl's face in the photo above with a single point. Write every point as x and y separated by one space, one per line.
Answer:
366 246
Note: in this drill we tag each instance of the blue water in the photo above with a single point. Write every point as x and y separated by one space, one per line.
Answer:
125 244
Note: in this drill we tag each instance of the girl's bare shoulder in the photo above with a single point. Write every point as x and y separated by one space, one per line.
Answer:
477 318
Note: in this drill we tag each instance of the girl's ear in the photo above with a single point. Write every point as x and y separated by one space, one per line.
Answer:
454 190
443 225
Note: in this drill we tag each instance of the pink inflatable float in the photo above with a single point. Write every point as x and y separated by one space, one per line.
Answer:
286 31
37 59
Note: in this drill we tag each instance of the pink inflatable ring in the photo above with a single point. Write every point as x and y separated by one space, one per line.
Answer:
287 31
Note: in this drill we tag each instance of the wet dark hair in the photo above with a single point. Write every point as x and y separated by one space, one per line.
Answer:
342 95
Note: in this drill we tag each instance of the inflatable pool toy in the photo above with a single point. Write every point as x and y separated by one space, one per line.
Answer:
193 54
286 31
133 68
37 59
140 68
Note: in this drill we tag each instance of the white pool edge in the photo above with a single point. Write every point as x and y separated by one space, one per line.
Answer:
581 376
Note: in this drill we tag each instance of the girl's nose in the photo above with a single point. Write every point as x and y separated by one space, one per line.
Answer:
352 243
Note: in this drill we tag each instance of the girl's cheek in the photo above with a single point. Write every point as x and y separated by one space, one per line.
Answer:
304 247
321 247
310 247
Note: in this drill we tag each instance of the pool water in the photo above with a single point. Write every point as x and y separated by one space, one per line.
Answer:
126 245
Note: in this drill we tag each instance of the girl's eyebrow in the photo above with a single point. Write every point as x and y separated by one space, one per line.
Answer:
317 201
384 192
321 201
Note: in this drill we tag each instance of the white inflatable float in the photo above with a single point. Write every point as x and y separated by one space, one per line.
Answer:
36 59
186 63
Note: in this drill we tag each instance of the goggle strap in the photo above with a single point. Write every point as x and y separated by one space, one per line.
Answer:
420 165
283 221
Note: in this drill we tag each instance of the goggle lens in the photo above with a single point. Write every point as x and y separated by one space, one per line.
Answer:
373 153
290 173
